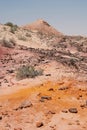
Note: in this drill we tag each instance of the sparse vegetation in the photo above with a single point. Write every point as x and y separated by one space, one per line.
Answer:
13 27
9 24
28 72
23 38
8 43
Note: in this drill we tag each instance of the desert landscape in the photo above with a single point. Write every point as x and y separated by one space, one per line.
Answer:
43 78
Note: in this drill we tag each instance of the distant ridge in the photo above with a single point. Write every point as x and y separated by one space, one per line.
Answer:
43 27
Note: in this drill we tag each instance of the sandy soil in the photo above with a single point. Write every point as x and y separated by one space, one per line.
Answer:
54 112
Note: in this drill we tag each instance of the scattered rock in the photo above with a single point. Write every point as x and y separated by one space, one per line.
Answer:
39 124
46 97
0 117
43 98
10 71
73 110
5 81
5 113
65 111
17 128
48 74
80 95
63 88
25 104
50 89
82 106
51 112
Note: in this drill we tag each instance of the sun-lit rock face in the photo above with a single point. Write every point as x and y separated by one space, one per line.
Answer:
42 27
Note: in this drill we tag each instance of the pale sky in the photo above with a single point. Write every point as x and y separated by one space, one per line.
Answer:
67 16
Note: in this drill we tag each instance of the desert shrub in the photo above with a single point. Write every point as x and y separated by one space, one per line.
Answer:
28 72
22 38
8 43
9 24
13 29
12 26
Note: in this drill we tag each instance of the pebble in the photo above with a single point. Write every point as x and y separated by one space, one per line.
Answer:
73 110
39 124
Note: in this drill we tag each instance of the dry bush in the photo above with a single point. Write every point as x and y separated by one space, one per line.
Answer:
28 72
22 38
8 43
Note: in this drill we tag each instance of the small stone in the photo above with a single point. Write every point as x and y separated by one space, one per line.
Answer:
48 74
0 117
5 81
83 105
17 128
51 112
25 104
73 110
80 95
64 111
41 100
46 97
50 89
63 88
39 124
10 71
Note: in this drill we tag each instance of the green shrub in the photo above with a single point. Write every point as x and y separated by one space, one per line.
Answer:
13 27
28 72
9 24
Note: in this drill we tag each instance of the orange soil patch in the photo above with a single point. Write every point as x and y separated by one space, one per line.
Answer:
50 110
60 98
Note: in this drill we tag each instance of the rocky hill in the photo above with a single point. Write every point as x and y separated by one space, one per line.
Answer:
42 27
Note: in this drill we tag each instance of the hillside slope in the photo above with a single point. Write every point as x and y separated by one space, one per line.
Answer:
43 79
